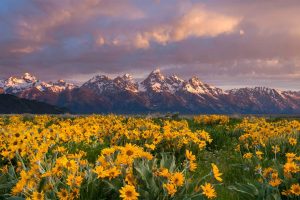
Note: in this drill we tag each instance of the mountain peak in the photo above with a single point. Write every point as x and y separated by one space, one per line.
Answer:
61 81
154 82
17 84
102 84
175 78
99 78
29 77
125 83
156 71
195 81
127 77
156 75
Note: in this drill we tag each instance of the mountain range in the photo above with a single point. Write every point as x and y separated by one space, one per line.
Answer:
156 93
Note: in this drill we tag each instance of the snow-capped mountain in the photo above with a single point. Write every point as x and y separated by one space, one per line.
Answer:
156 82
16 85
265 100
29 87
156 93
195 86
102 84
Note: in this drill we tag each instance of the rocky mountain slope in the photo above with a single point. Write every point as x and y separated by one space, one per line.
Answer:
10 104
156 93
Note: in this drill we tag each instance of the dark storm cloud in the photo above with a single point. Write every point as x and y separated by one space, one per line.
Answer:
223 42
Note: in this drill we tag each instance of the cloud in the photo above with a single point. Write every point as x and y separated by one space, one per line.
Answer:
199 22
195 22
62 15
141 41
25 50
225 42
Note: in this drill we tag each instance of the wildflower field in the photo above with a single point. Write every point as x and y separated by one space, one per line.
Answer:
118 157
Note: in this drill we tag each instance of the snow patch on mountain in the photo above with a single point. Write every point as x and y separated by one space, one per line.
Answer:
15 85
101 84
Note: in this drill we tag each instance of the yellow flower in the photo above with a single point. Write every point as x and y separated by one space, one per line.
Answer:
130 179
267 172
150 146
63 194
247 155
78 181
128 192
113 172
193 166
37 196
290 156
130 150
19 187
216 172
189 155
99 170
70 179
295 189
204 135
164 172
291 167
208 190
275 182
259 154
293 141
108 151
177 179
202 144
74 193
62 161
171 188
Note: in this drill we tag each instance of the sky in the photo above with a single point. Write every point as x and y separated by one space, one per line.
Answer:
226 43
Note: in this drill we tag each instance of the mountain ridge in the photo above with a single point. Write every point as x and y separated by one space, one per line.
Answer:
156 93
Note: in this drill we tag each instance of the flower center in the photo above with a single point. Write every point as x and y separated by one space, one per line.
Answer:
129 153
128 193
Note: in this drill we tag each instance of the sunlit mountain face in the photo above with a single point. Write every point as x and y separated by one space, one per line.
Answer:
243 48
156 93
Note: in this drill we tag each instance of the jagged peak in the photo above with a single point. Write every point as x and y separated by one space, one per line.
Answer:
155 76
127 77
174 77
156 71
195 78
61 81
195 81
29 77
99 78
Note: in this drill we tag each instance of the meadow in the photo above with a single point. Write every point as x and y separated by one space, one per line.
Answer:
127 158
